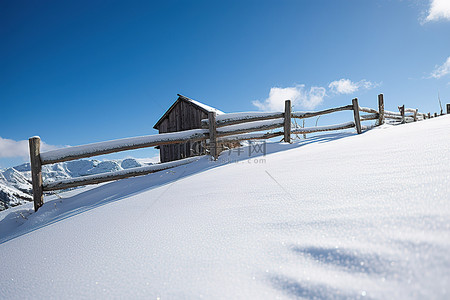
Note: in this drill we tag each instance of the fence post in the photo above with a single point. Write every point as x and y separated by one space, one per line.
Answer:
213 135
356 115
402 112
380 110
36 171
448 108
435 115
287 121
415 115
429 115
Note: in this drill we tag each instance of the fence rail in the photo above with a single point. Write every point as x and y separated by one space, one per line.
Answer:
215 130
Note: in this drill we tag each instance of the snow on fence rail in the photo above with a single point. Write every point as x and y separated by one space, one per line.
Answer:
216 129
77 152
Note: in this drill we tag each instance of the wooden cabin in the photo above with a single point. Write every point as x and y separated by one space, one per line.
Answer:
184 114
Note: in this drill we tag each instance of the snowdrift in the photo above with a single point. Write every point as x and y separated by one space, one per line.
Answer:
336 216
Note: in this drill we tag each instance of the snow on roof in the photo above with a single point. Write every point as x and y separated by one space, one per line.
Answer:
204 106
200 105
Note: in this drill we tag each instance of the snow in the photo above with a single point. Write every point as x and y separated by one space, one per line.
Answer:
242 116
251 125
387 112
333 216
115 144
204 106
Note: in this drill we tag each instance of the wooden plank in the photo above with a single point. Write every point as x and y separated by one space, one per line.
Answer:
77 152
213 135
368 110
287 121
369 117
224 131
323 128
105 177
251 136
232 120
356 115
36 171
380 109
304 115
387 112
389 116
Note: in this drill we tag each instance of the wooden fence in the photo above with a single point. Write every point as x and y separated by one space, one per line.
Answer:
217 129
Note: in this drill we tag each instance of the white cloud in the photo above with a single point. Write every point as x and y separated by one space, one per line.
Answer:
11 148
298 95
443 70
439 9
346 86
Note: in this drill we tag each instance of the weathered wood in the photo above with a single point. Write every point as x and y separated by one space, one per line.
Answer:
213 135
356 115
448 108
402 113
429 115
368 110
323 128
251 127
77 152
415 115
250 136
287 121
304 115
36 171
387 112
231 119
380 109
369 117
105 177
395 117
184 114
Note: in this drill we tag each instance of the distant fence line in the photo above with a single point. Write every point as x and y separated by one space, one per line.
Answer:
217 129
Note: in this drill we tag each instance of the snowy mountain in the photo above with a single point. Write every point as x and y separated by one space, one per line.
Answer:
337 216
15 182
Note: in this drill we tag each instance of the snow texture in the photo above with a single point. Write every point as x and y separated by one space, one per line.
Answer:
337 216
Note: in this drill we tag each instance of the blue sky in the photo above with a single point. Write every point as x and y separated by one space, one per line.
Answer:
76 72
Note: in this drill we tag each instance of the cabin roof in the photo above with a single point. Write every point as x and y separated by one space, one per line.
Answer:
201 106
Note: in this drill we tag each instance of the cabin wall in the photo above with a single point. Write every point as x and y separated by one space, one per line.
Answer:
184 116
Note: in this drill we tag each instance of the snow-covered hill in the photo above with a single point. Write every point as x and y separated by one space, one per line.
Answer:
341 216
15 183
